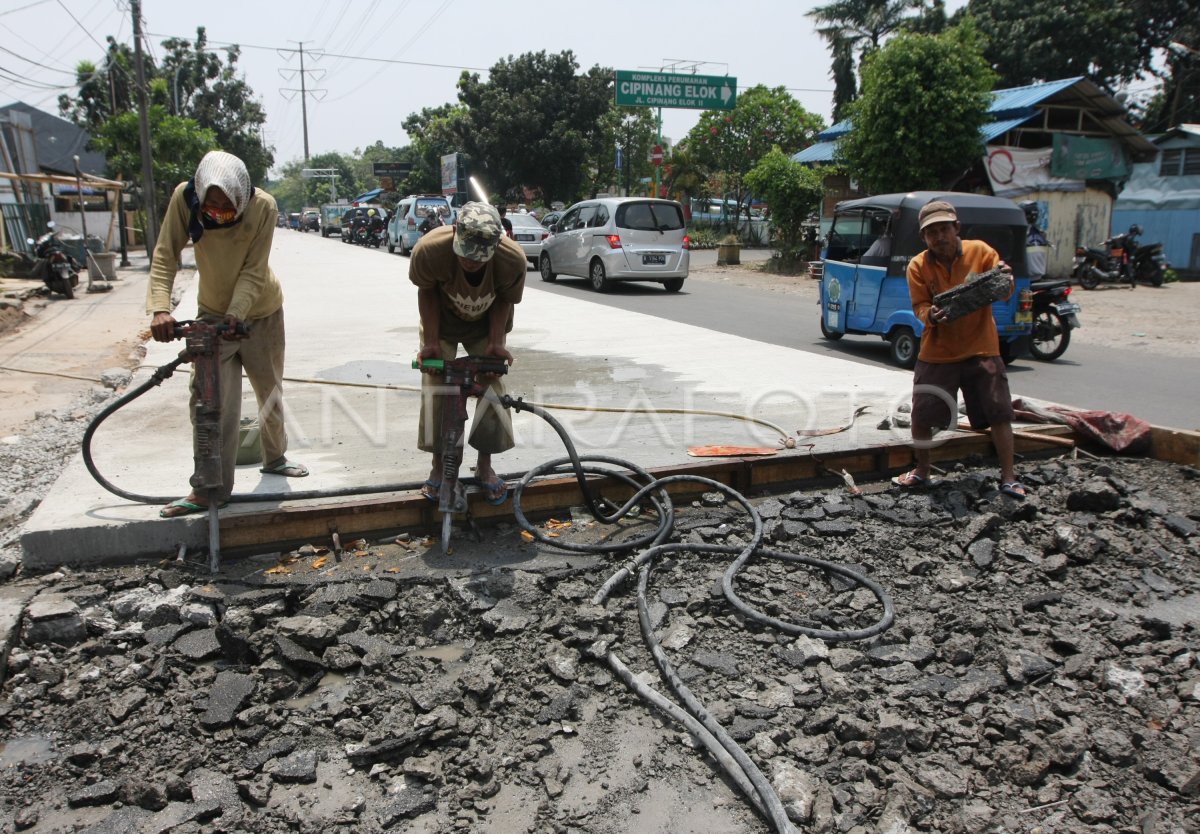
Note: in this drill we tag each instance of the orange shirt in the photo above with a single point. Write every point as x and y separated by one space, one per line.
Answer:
972 335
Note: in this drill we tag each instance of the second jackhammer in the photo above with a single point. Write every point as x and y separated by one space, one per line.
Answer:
460 381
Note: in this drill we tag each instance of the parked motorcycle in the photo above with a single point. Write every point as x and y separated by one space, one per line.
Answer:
1054 317
1111 262
54 263
1150 263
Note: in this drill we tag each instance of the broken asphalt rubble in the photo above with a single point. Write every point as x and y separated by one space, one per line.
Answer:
1042 674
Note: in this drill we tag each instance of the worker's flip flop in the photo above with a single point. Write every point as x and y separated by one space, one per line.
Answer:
187 507
287 468
911 480
1014 490
496 491
432 490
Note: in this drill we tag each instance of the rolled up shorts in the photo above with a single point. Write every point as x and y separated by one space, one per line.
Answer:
983 381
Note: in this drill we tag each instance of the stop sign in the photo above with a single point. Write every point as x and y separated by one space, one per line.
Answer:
656 155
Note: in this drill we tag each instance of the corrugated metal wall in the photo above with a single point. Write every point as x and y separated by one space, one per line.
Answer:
1177 230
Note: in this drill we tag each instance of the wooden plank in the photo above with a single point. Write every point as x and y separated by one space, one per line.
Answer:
374 515
1175 445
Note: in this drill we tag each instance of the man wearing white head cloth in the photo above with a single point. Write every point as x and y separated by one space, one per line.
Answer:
231 225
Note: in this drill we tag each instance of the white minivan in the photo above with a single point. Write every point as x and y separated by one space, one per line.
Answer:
619 239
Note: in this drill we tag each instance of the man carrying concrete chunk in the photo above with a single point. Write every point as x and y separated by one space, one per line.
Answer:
959 354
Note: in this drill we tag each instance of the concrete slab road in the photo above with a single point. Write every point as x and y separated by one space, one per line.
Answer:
352 329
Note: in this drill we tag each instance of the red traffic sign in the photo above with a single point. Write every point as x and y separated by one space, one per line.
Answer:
656 155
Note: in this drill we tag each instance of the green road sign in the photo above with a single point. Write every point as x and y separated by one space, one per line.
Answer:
659 89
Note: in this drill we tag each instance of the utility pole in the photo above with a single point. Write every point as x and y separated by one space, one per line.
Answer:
304 91
148 200
112 100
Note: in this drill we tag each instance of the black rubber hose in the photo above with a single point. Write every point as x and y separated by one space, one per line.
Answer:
157 378
692 715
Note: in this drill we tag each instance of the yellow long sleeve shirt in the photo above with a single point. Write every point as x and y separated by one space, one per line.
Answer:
235 276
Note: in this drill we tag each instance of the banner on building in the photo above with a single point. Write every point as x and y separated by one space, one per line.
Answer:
1014 172
1086 158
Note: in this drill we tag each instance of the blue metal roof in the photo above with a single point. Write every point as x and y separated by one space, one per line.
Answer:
1015 99
991 131
823 151
1011 107
820 152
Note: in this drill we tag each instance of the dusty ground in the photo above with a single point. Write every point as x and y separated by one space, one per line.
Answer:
1150 319
53 350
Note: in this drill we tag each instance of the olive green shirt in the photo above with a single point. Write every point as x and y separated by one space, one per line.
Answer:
235 276
464 308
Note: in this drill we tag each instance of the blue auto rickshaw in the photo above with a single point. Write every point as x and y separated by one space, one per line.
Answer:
864 288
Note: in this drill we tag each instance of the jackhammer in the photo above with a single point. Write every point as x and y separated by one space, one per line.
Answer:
460 379
202 347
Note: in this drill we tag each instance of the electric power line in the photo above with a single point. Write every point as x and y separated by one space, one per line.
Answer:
80 25
35 63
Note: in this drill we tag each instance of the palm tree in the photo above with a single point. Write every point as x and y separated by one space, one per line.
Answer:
857 26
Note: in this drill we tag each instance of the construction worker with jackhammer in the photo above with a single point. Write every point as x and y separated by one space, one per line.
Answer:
231 225
469 276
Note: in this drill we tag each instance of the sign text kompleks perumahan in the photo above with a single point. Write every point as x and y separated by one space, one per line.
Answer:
657 89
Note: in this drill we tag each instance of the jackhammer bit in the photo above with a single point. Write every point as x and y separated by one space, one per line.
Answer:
202 348
460 383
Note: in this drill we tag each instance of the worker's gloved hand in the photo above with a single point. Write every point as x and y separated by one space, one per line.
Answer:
162 327
235 330
430 351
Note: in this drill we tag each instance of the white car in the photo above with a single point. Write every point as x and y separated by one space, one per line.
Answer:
619 239
529 234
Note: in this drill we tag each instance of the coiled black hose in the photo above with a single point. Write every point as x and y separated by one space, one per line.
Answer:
692 715
159 376
729 755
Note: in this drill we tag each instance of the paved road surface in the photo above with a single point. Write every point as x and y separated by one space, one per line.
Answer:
1159 389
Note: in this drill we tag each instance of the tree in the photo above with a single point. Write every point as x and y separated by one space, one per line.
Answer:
1178 99
204 88
917 123
179 144
729 143
792 192
535 122
1110 41
855 28
434 132
103 90
633 130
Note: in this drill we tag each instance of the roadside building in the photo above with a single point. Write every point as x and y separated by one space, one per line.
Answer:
37 156
1163 197
1064 144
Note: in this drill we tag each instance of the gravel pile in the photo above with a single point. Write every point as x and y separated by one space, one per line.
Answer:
1041 675
32 461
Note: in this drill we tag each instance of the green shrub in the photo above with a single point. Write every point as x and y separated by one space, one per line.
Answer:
1170 276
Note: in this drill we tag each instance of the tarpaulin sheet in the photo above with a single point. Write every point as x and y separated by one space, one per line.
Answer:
1119 432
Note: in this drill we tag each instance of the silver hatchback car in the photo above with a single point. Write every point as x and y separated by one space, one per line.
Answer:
619 239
